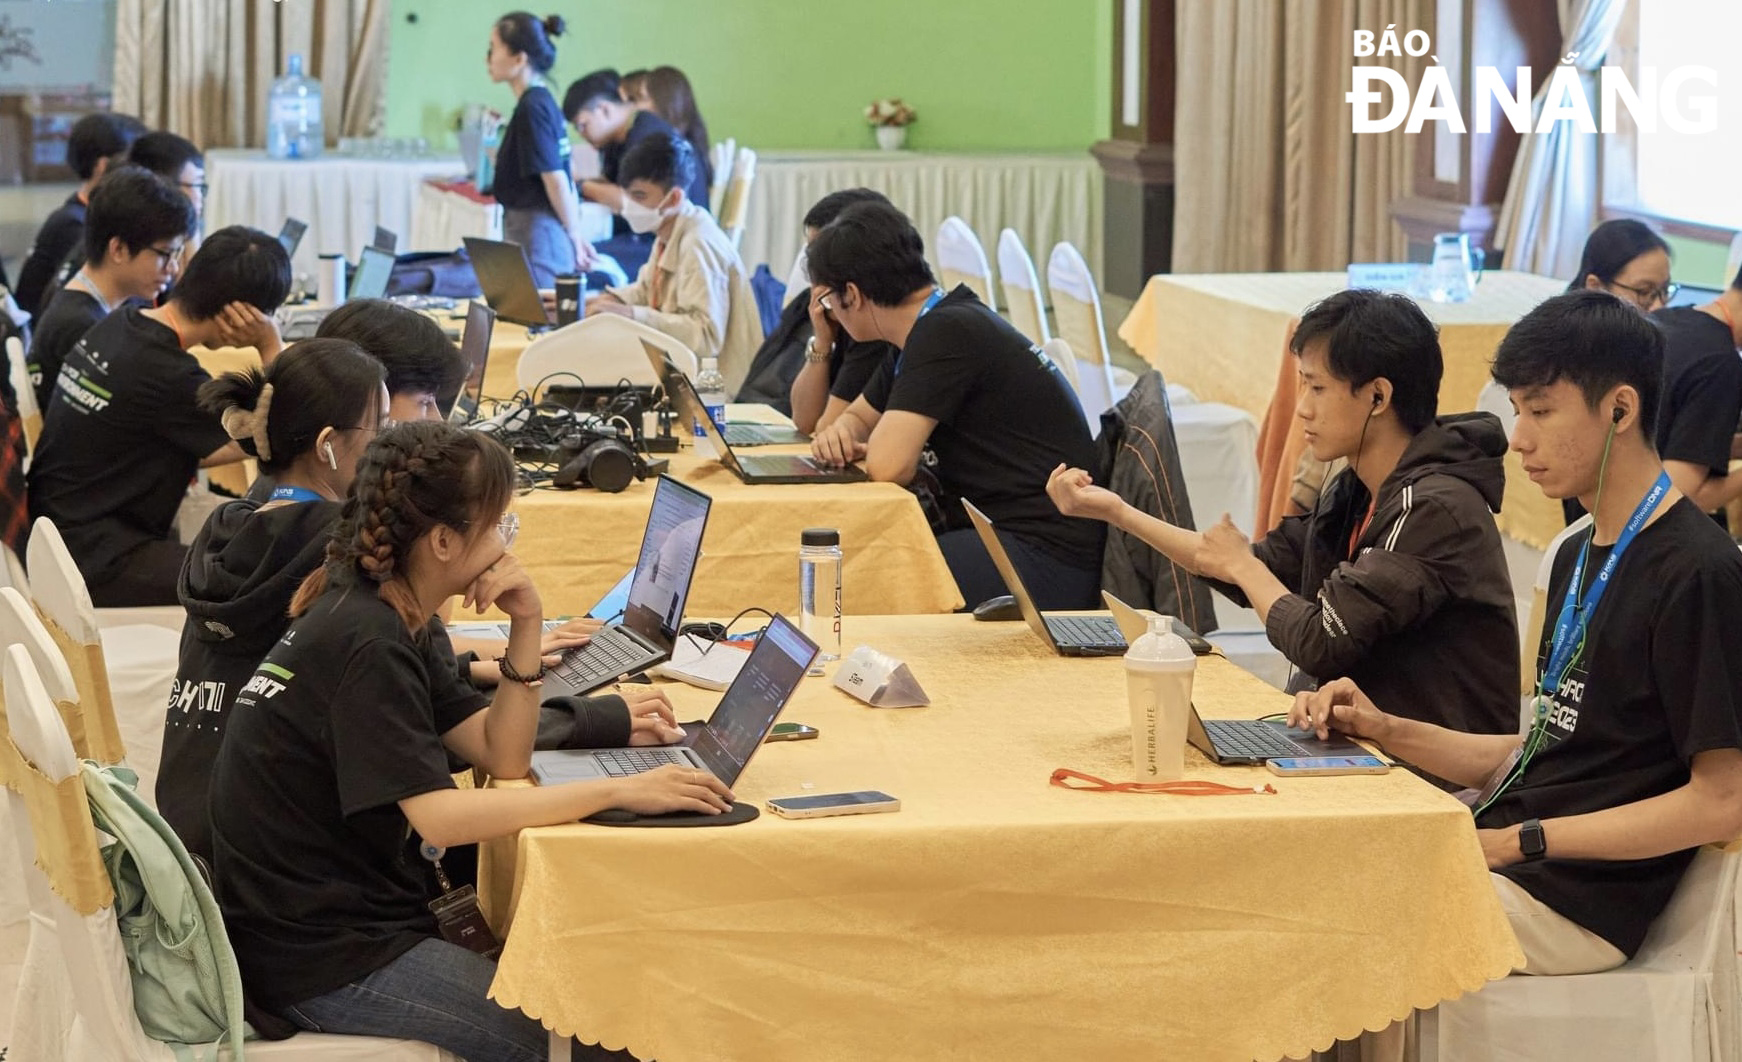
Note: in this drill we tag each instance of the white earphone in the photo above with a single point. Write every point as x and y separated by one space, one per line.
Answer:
331 460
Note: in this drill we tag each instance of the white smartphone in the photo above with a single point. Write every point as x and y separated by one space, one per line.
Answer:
865 802
1304 765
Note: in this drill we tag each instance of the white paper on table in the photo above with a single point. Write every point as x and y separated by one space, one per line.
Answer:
713 670
879 680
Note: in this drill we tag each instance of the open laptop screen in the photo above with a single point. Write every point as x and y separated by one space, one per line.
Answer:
755 698
374 270
669 550
475 349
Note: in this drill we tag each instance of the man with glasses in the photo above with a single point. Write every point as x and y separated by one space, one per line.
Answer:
1702 397
135 227
123 433
177 160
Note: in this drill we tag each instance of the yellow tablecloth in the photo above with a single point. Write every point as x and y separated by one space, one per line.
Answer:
996 916
1221 335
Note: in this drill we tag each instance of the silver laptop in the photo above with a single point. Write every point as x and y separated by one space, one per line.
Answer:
475 349
368 281
759 468
505 278
1235 741
1070 634
724 745
670 548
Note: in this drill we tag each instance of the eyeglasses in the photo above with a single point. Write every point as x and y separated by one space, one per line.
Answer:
197 186
166 255
1646 293
823 301
509 528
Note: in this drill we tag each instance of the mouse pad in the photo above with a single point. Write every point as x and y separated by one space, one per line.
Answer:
618 817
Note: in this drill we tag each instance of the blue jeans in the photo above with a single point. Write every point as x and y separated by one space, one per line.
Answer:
438 993
1054 585
549 251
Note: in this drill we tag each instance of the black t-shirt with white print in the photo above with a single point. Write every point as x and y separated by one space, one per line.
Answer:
341 721
1006 417
1660 680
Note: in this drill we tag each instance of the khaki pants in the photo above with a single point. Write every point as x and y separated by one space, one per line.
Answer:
1553 946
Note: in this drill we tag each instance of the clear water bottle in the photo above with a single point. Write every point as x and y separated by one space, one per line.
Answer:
293 116
819 592
711 387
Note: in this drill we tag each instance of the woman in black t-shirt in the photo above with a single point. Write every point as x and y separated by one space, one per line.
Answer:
540 210
337 753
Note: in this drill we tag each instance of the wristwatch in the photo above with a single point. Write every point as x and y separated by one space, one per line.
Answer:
1531 842
812 355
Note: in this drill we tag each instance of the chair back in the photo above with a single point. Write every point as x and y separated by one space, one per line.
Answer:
799 277
1733 260
1021 287
1060 353
602 350
29 413
961 260
736 202
63 604
14 574
721 156
1076 305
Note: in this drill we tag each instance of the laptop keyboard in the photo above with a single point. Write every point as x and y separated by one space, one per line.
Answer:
1090 631
757 435
609 654
1240 739
780 465
621 762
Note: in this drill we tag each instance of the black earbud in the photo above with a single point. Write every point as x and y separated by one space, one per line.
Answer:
1616 416
1377 398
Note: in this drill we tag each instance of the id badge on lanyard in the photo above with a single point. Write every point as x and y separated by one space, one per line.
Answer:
456 910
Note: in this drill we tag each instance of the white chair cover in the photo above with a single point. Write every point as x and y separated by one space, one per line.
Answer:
1676 1001
1493 399
1066 359
19 626
736 202
961 260
1076 304
1733 260
799 277
1218 452
13 574
1021 287
29 414
721 155
601 350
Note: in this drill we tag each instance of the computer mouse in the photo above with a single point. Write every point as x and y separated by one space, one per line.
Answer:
998 609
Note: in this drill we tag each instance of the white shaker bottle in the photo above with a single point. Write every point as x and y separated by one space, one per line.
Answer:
1159 668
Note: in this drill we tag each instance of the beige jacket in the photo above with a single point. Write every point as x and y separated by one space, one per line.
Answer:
705 300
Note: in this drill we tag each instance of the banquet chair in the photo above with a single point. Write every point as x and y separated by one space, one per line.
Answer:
721 157
1733 260
1076 306
29 413
736 202
1060 354
74 938
799 277
961 260
1676 1000
601 351
14 574
1021 288
19 626
123 673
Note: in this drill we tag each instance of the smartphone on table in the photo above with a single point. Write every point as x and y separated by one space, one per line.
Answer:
865 802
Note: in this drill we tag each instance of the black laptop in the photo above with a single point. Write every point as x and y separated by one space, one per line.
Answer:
759 468
385 240
505 278
291 235
475 349
669 550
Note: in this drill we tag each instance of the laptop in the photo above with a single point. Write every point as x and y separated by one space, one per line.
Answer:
1233 742
475 349
368 281
741 434
670 548
291 235
763 468
505 278
1069 635
722 746
385 240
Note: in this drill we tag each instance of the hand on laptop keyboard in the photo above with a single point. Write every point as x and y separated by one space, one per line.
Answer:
672 788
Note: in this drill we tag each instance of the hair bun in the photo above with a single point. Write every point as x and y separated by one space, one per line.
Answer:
554 25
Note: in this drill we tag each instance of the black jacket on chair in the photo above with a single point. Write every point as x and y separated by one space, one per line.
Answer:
1140 463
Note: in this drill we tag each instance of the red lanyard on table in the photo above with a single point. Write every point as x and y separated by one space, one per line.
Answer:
1065 778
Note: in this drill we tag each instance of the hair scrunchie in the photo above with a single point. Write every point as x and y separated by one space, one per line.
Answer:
242 423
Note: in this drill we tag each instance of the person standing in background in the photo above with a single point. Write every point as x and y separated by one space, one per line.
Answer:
540 210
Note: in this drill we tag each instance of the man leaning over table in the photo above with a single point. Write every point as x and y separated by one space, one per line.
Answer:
967 396
1635 756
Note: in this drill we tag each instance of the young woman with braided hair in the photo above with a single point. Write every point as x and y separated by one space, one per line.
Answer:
338 754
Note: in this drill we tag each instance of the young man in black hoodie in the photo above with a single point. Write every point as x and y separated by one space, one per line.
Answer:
1396 578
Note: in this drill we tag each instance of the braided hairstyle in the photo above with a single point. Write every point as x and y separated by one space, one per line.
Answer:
412 477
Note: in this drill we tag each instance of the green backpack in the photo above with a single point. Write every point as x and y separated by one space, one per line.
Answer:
187 989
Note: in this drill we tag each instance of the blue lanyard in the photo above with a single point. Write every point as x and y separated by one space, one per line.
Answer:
295 494
1576 613
937 296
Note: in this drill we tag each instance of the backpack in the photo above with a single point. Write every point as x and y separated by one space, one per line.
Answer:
187 988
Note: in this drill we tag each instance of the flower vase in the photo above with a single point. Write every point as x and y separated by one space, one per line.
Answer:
892 137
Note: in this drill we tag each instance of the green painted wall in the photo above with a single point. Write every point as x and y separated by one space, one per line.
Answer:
1699 261
984 75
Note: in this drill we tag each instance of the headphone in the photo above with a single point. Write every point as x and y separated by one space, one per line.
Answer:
333 461
1377 399
1615 417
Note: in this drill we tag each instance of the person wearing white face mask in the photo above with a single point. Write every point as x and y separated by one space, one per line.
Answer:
694 286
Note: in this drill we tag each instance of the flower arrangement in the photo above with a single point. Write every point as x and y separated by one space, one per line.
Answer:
891 113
